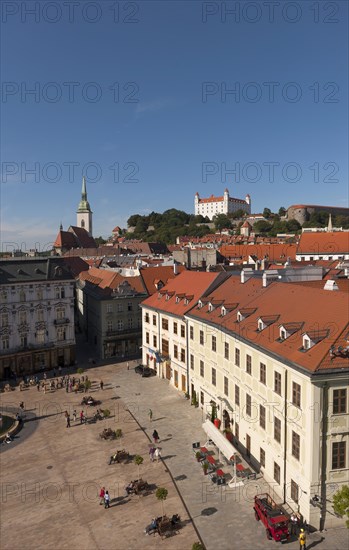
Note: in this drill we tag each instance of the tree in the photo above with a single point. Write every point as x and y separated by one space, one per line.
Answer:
267 213
132 221
341 503
99 240
282 211
221 221
262 227
161 494
138 459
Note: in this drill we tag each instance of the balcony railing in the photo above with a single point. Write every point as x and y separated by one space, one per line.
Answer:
64 321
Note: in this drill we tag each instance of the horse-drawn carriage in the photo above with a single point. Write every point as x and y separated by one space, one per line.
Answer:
137 487
90 401
165 526
120 456
108 433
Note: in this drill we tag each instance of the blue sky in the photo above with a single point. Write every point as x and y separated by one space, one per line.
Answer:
173 128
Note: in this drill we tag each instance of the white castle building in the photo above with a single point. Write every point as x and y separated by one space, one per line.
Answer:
220 205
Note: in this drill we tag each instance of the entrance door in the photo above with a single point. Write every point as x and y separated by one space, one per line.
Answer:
248 445
192 390
176 378
168 372
184 383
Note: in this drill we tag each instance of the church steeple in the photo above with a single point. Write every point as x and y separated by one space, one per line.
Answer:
84 212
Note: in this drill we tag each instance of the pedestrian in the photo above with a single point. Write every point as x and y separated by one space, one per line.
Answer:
45 375
74 415
150 413
101 495
128 365
21 405
106 500
101 384
44 388
302 540
294 522
156 437
38 386
157 454
82 417
151 454
68 421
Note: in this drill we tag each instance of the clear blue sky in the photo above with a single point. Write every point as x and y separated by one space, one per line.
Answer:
175 131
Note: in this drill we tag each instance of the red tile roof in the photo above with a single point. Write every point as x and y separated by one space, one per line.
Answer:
152 275
108 279
274 252
333 242
193 283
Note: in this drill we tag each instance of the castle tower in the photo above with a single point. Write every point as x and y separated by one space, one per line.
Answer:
196 204
84 212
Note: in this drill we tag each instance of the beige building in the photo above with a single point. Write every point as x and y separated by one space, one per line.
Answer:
275 361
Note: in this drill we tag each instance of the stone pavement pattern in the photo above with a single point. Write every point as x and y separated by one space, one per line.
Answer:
51 476
230 521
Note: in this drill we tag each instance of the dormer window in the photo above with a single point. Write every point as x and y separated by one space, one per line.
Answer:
307 344
283 334
199 304
239 317
223 311
210 307
288 329
313 337
261 325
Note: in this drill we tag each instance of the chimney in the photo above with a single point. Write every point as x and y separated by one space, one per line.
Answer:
331 285
246 274
175 268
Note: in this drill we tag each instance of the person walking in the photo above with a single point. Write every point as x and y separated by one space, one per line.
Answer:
150 413
82 418
101 495
151 453
68 420
74 415
101 384
156 437
157 454
128 365
106 500
302 539
294 523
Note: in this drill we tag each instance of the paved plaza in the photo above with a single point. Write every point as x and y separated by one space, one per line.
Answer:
51 475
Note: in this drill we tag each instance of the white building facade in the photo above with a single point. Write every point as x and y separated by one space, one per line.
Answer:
225 204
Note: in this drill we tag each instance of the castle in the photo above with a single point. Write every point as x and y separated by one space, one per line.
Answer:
221 205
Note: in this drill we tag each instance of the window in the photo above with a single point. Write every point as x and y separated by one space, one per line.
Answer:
248 404
40 315
183 331
121 308
5 342
39 294
262 457
294 491
175 351
147 337
276 473
201 337
164 346
296 394
129 306
164 324
277 383
109 308
40 336
60 313
61 334
57 293
202 398
339 401
146 317
226 350
175 328
237 357
192 362
154 320
249 364
22 317
182 355
296 443
214 343
277 429
338 455
226 386
214 377
262 416
120 324
155 341
202 369
4 319
109 326
191 333
262 373
237 395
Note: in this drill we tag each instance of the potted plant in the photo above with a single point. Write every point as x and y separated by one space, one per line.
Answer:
118 433
197 546
138 459
161 494
214 418
106 413
80 370
205 468
198 456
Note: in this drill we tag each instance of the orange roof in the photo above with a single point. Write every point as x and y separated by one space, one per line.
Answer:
301 307
193 283
275 252
333 242
105 278
152 275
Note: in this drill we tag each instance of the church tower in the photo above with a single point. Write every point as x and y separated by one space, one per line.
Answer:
84 212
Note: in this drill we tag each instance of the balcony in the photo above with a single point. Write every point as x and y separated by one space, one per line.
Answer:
64 321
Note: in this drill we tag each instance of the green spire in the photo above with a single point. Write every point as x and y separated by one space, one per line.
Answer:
84 205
